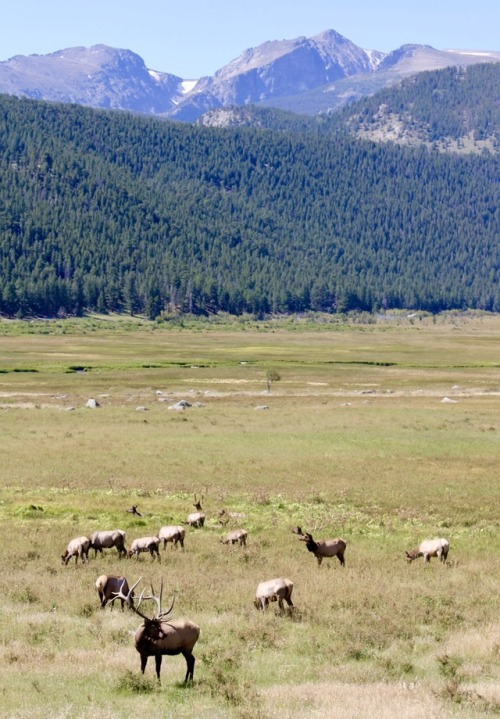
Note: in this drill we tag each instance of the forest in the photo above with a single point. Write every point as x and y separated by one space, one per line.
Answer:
111 212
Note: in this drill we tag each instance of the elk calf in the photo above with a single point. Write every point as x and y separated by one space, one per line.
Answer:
323 547
430 548
174 534
274 590
238 536
77 548
109 586
145 544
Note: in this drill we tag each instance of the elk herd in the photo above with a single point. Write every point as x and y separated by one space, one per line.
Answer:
159 635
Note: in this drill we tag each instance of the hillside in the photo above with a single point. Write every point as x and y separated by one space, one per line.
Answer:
454 109
109 212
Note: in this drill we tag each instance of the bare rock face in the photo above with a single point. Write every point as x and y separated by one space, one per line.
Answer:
305 75
99 76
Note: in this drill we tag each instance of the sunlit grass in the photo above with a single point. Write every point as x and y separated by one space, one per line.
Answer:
344 445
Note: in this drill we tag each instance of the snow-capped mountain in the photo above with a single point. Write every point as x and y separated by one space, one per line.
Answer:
306 75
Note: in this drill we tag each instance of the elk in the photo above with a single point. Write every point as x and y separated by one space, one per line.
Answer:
430 548
77 548
238 536
159 635
274 590
145 544
225 516
196 519
172 533
107 540
108 586
323 547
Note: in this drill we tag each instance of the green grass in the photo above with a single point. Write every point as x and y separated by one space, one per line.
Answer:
355 442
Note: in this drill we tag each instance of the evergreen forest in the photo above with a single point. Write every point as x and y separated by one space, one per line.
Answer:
110 212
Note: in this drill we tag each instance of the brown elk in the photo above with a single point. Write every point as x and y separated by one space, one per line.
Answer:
430 548
225 517
172 533
323 547
145 544
133 510
77 548
196 519
158 636
238 536
274 590
108 539
108 586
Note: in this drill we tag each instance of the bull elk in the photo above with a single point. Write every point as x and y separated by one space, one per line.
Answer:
323 547
430 548
159 635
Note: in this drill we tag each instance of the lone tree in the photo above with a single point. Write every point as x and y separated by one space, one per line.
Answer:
272 376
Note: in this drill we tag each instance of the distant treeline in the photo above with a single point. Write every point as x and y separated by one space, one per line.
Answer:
111 212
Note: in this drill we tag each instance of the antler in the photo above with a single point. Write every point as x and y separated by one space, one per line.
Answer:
128 598
157 599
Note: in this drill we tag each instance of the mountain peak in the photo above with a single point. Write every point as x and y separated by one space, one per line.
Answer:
306 75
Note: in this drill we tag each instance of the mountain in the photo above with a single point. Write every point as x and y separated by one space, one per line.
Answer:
100 77
303 75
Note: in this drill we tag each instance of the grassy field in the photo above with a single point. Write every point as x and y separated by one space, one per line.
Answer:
384 433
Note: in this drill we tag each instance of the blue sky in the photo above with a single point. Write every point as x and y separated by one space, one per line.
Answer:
191 38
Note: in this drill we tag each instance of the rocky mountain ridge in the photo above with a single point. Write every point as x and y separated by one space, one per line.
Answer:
304 75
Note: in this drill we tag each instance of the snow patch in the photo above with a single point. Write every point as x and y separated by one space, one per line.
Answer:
187 86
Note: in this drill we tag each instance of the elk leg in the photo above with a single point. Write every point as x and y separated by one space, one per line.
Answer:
158 658
190 660
144 661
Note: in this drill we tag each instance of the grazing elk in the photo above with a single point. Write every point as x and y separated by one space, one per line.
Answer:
238 536
323 547
108 586
430 548
158 636
196 519
108 539
145 544
77 548
274 590
172 533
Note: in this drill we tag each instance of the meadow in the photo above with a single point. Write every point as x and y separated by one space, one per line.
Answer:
383 432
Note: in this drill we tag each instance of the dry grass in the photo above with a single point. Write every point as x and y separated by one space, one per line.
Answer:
365 451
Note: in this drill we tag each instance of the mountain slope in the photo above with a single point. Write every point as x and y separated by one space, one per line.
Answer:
305 75
454 109
109 211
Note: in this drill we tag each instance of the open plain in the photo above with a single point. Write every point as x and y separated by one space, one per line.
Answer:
381 431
